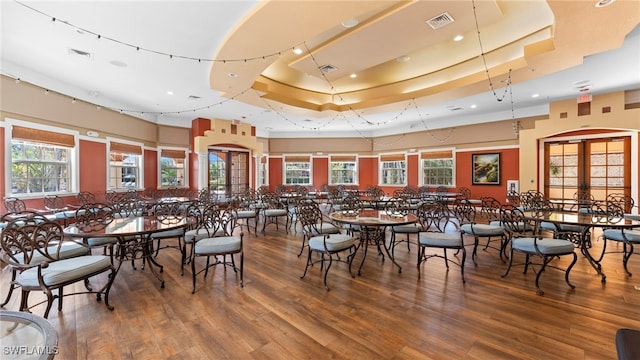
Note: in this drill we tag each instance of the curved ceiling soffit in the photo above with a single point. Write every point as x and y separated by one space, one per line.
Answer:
436 66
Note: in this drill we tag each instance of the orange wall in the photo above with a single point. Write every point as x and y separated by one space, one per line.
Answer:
367 171
275 172
150 169
93 167
509 168
413 170
320 168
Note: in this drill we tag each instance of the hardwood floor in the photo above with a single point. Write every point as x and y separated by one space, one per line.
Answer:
379 315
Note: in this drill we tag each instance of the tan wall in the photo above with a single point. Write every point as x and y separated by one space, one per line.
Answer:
173 136
618 118
27 102
495 134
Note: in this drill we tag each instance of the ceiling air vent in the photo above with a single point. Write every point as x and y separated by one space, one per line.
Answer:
440 20
456 108
328 68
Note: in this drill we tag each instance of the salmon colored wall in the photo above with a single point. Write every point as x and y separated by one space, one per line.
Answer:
93 167
320 168
275 172
367 171
413 170
509 168
150 169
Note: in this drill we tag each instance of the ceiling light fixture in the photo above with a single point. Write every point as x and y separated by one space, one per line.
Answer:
297 51
350 23
603 3
535 95
458 38
232 74
169 92
403 58
353 76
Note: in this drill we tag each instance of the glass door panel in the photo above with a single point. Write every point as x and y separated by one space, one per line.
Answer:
590 168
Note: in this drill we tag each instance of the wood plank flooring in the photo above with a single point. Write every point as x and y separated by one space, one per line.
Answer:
381 314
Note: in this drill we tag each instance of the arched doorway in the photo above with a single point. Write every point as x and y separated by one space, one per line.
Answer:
228 172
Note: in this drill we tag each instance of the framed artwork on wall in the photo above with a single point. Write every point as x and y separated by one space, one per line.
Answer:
485 169
513 186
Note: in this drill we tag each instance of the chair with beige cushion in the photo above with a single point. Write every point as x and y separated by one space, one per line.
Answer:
441 232
329 246
535 246
217 244
28 224
316 224
45 261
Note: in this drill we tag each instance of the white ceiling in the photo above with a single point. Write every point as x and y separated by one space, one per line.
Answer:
37 50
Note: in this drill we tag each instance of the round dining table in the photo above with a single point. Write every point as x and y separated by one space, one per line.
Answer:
134 237
373 224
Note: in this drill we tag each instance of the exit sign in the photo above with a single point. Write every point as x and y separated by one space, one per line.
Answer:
584 98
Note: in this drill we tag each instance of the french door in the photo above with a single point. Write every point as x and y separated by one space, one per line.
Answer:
587 168
228 173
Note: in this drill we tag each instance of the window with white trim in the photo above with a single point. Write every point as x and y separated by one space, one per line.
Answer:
393 169
173 168
343 170
262 171
437 168
41 161
125 166
297 170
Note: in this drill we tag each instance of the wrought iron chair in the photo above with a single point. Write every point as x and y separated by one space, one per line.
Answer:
273 210
534 245
218 224
490 231
86 197
328 245
36 252
168 211
628 238
441 232
56 206
92 215
311 210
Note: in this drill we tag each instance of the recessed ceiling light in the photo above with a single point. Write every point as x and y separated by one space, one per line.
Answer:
473 106
353 76
169 92
535 95
458 38
297 51
603 3
403 58
350 23
233 74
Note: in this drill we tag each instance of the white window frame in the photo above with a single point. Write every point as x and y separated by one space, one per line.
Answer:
73 158
422 181
140 166
185 168
262 171
355 171
381 170
284 169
